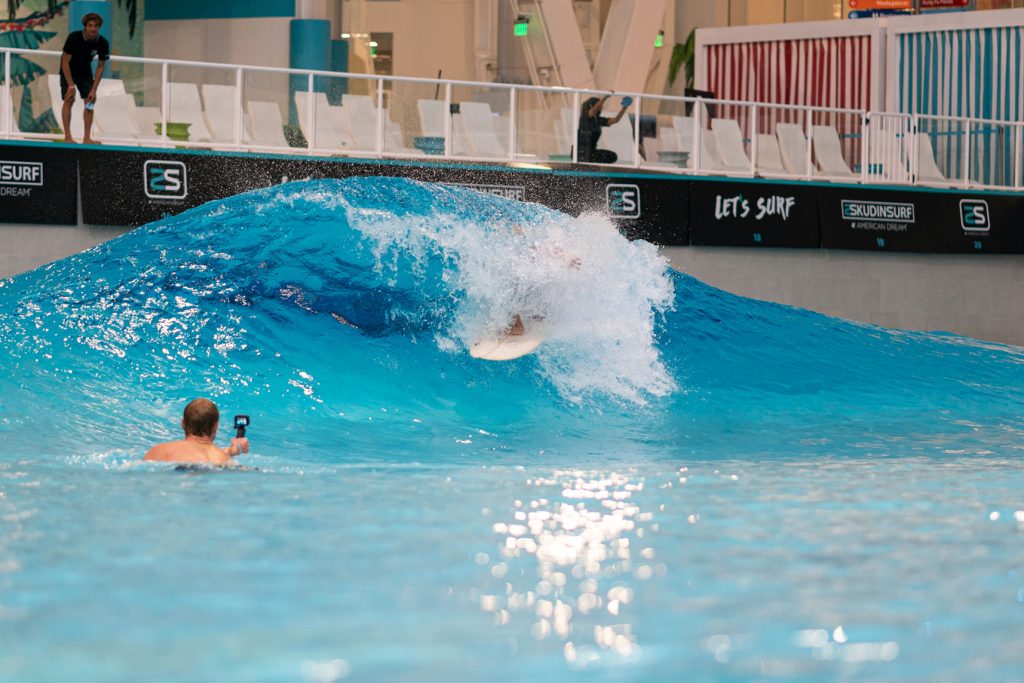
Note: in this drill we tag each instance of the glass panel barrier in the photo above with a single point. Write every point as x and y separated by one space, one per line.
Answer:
1018 165
201 105
661 142
335 133
889 144
35 105
271 119
358 99
543 125
836 140
480 122
992 154
782 146
942 147
418 110
119 114
6 102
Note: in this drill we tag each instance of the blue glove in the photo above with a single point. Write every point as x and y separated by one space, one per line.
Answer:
626 101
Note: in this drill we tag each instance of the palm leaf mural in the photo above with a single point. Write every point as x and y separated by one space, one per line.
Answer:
14 5
132 7
44 123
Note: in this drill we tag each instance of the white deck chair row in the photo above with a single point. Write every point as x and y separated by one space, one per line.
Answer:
348 127
118 118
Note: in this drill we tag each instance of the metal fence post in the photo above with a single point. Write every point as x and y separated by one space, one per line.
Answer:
865 141
239 113
574 129
310 114
381 116
914 152
967 154
448 146
6 101
165 105
754 145
810 142
1018 154
513 139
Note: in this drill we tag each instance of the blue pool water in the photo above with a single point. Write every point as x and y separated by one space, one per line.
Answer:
681 484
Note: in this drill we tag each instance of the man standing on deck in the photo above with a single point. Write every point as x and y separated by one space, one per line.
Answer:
200 423
76 71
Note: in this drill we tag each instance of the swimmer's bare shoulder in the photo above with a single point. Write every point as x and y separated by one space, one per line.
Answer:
186 451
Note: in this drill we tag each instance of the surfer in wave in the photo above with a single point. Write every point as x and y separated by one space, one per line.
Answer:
200 423
517 339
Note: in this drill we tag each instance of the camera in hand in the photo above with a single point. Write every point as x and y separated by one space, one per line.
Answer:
241 422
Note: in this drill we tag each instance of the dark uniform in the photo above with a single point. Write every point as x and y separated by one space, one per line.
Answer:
82 53
588 135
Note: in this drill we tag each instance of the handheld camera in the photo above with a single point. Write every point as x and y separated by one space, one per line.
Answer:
241 422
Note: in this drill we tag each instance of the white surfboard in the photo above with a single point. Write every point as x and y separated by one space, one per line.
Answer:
506 347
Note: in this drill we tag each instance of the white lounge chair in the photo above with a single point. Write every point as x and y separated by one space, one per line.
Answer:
219 101
115 117
266 126
110 86
793 145
361 116
769 157
147 119
330 131
460 136
927 169
431 117
57 104
730 145
828 151
683 126
480 136
186 107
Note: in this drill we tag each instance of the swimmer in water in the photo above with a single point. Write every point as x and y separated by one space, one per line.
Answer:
200 423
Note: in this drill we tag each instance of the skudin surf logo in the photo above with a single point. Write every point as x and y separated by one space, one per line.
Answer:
884 212
624 201
974 215
166 179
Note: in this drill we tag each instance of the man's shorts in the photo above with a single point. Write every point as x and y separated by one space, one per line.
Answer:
84 86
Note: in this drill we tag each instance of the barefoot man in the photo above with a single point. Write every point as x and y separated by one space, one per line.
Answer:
76 71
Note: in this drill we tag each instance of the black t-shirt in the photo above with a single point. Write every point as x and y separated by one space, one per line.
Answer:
82 52
590 126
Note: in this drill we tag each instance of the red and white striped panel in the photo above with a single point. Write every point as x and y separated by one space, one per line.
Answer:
820 72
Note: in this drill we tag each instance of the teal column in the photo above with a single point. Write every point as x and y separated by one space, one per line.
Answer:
310 48
339 62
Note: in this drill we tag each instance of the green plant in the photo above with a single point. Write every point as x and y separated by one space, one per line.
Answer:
682 56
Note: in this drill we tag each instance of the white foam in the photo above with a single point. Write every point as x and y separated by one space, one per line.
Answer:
595 294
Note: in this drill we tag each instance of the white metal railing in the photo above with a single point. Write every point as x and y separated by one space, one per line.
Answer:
408 118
